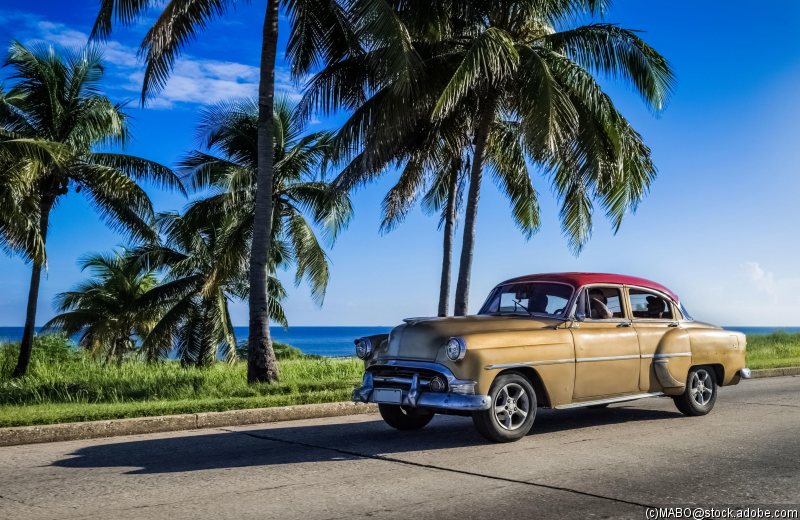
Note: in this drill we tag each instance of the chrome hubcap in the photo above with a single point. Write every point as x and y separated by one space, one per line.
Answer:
511 406
701 387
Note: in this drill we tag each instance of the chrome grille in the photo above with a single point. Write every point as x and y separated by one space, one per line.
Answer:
400 377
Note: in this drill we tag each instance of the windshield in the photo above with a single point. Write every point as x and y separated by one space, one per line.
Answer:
528 298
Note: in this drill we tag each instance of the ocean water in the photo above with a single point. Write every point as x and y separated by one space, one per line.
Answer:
338 341
323 341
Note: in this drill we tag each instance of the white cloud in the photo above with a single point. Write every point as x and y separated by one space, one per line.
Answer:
60 34
762 280
193 80
202 81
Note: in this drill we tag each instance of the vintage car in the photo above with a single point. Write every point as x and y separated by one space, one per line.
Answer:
560 340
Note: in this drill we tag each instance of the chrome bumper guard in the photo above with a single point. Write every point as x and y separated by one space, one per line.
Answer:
415 397
745 373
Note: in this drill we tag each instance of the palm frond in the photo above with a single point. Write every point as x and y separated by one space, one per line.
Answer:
178 24
490 59
139 169
620 53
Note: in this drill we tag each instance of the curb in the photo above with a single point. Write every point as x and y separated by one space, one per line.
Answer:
776 372
17 435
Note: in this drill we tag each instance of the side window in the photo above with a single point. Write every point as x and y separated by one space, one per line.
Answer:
648 305
604 303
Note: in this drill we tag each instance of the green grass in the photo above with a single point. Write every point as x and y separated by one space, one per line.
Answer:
780 349
64 384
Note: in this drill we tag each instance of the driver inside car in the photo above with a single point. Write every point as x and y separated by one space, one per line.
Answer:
598 305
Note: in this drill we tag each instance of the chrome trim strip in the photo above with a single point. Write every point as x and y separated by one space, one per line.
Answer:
668 355
529 363
585 360
606 358
610 400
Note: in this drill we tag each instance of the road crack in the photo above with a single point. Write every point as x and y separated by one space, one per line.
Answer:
387 458
768 404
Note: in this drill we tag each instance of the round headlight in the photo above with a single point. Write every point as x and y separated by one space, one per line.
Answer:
363 347
456 348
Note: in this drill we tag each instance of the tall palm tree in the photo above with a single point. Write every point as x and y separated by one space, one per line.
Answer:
523 62
445 197
106 310
321 31
517 70
394 127
56 100
447 163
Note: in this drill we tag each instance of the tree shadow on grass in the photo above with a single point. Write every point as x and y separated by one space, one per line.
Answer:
343 440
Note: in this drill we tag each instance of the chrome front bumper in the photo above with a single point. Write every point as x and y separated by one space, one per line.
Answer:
414 396
745 373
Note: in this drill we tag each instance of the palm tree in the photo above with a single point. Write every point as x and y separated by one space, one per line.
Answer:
202 276
447 163
521 65
208 247
106 310
322 31
397 129
445 197
299 191
55 100
516 70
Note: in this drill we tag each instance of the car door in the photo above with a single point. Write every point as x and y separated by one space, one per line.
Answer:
607 360
661 339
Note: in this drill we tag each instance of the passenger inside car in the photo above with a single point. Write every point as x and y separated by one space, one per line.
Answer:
647 305
655 307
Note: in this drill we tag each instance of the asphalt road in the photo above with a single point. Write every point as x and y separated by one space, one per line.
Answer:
575 464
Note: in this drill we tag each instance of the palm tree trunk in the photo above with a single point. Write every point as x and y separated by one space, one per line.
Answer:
261 362
26 347
447 246
471 212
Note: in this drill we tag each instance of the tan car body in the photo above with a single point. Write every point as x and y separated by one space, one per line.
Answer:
570 361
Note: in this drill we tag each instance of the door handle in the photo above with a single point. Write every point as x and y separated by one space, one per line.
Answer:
673 324
624 324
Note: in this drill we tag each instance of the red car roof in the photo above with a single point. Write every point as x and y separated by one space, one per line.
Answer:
581 279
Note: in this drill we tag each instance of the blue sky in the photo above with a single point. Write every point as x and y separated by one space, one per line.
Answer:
719 226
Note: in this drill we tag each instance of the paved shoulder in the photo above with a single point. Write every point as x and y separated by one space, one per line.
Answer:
609 462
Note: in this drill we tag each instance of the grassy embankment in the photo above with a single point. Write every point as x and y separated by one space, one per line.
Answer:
66 385
780 349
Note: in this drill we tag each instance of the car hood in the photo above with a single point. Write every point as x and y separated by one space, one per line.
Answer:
424 338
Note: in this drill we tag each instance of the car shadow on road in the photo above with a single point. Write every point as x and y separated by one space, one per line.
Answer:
345 440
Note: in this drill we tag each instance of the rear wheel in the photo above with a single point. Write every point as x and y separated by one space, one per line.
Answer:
405 419
700 394
513 409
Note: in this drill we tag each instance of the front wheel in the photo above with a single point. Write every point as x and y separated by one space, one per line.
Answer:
405 419
700 394
513 409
